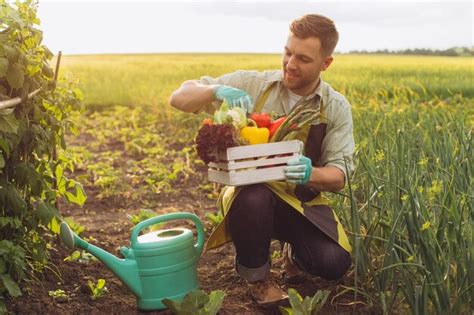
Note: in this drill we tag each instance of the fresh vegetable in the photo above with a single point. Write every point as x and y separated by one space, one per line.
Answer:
254 134
207 121
299 118
212 139
263 120
275 125
235 116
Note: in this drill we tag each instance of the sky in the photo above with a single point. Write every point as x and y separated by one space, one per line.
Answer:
91 27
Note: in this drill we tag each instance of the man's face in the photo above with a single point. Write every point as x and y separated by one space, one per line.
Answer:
302 64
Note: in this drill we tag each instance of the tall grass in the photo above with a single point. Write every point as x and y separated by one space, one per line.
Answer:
409 206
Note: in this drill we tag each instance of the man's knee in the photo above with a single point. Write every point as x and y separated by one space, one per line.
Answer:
331 263
253 199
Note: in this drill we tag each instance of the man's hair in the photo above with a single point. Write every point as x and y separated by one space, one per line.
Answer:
315 25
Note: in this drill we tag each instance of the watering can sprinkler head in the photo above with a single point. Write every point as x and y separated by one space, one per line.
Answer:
66 234
69 238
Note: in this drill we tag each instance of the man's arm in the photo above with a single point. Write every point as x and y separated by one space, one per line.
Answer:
192 96
338 147
328 178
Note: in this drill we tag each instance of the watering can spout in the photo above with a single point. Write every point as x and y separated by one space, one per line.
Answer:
126 269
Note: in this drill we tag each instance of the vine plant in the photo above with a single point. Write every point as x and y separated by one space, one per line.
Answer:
32 178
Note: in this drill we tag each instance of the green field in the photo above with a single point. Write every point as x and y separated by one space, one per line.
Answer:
409 206
149 79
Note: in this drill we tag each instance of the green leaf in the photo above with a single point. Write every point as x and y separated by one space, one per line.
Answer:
3 66
286 310
318 301
46 212
74 256
3 266
47 71
9 123
12 287
194 301
174 306
4 146
15 76
3 308
295 300
79 197
26 176
2 161
11 53
54 225
100 283
215 302
11 197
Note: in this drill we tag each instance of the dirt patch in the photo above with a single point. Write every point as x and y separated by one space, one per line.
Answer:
106 221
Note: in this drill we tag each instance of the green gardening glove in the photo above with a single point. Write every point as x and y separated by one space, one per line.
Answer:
298 170
234 97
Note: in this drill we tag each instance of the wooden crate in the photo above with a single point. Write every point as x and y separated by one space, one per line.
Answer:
253 164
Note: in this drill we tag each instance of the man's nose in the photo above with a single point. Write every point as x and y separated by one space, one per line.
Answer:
291 64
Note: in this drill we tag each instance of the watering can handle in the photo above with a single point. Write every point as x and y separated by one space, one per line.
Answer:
168 217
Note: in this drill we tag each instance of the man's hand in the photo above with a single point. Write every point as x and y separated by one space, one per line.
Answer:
298 170
234 97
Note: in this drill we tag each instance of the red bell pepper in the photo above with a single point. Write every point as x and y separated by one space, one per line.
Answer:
263 120
275 124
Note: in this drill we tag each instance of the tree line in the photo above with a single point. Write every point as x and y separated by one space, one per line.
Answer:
453 51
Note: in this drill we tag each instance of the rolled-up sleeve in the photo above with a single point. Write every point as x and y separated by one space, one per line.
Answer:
338 145
233 79
250 81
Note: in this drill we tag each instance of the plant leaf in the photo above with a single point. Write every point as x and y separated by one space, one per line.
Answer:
11 53
15 76
3 66
215 302
295 301
12 286
79 196
286 310
318 300
9 123
194 301
45 213
100 283
174 306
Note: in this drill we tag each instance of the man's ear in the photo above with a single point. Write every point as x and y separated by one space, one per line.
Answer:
327 62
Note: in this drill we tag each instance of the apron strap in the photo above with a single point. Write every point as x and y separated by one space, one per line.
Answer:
263 99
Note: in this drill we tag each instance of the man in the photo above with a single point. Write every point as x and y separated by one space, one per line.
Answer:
293 211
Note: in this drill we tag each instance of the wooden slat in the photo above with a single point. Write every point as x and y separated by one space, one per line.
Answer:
247 177
253 163
260 150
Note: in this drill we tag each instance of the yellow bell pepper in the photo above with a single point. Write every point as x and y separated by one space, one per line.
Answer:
255 135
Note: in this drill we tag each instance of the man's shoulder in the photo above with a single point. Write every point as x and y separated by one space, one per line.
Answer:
334 98
267 75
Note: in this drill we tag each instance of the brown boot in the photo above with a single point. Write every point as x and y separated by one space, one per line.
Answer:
267 293
292 274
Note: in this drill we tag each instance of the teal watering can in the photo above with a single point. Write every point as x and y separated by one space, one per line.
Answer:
158 265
